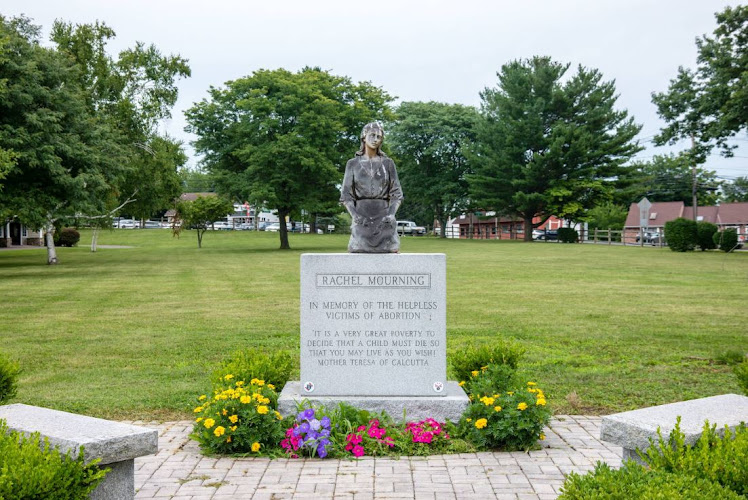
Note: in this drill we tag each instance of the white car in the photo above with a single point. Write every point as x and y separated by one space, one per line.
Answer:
410 227
125 224
221 225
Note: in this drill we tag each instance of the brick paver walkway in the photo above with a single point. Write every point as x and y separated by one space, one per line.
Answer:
180 472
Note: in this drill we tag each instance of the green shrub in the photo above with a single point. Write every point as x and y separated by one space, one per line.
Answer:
726 240
29 468
8 379
239 418
468 359
633 481
491 379
741 371
67 237
730 357
721 459
568 235
681 234
705 232
244 365
511 420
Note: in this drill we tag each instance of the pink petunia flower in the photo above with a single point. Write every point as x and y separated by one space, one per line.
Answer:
358 451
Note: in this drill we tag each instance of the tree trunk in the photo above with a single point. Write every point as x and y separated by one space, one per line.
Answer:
443 224
50 240
528 228
282 230
312 224
94 238
200 233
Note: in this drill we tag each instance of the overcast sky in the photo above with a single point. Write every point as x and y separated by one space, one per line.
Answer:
417 51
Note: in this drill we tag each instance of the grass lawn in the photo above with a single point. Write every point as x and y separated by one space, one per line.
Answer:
135 332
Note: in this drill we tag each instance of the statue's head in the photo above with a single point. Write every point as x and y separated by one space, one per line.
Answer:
375 127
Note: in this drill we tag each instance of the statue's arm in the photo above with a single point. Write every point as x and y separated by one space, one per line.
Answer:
347 194
396 192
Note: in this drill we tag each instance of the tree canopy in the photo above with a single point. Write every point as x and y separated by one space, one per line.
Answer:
710 103
281 139
428 140
670 178
548 146
736 191
201 213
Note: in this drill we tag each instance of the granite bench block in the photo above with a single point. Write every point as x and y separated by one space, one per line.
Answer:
116 444
633 429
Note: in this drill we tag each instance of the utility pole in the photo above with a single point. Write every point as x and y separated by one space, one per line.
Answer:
693 173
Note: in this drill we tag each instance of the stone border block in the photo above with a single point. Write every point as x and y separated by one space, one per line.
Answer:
633 429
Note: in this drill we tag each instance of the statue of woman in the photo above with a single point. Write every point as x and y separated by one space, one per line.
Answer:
371 193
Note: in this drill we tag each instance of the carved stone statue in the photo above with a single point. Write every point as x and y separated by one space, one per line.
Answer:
371 193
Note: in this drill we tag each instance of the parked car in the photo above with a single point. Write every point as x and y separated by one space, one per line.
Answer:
125 224
409 227
152 224
245 226
649 238
221 225
545 235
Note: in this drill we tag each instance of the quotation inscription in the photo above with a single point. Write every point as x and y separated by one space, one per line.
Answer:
386 342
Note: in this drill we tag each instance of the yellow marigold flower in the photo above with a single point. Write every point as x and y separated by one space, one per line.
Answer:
233 418
228 439
219 431
224 412
488 401
481 423
511 393
484 368
198 409
461 383
209 422
542 436
531 383
271 386
522 406
256 447
474 373
532 390
245 400
199 419
468 419
262 410
233 428
260 382
278 416
497 408
264 401
216 397
228 377
540 402
239 383
254 381
202 397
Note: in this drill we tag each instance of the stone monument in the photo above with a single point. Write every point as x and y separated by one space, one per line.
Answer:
373 321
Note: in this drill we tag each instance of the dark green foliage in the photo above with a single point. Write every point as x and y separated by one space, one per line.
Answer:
721 459
681 234
731 357
741 372
568 235
9 371
30 469
273 368
201 213
283 138
705 232
735 191
633 481
548 144
726 240
607 216
472 358
492 378
669 178
427 141
67 237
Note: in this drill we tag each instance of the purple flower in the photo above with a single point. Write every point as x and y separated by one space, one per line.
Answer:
321 451
325 421
304 428
307 414
324 432
312 434
315 424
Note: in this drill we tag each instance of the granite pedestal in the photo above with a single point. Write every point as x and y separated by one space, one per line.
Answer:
373 334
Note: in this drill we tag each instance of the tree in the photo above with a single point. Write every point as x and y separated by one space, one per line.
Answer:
710 104
195 180
608 215
736 190
67 157
428 139
202 213
670 178
281 139
546 147
133 92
